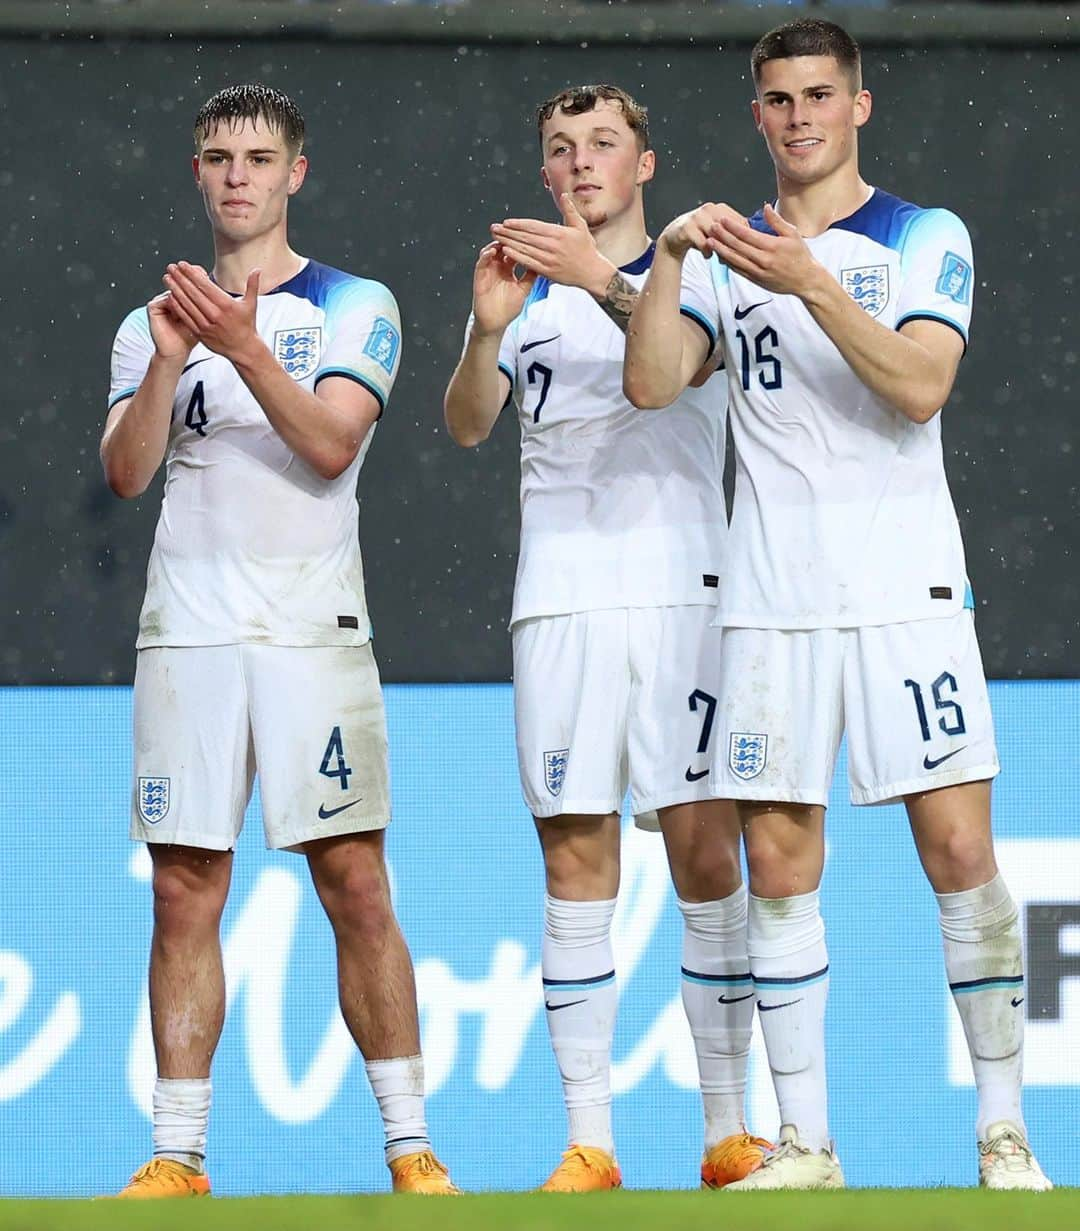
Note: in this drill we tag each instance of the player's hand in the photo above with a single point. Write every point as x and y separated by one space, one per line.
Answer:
172 339
222 323
565 254
695 229
498 293
782 263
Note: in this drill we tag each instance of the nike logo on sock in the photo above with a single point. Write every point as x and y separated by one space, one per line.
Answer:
928 764
767 1008
569 1004
1016 1001
735 999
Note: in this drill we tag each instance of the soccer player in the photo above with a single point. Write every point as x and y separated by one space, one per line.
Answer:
623 528
260 384
844 313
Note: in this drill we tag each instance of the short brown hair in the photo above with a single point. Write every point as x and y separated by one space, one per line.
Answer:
809 36
254 101
577 99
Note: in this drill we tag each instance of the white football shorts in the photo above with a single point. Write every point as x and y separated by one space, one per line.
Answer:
309 720
607 701
911 697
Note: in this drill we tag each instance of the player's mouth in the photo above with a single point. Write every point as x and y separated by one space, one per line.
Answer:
236 204
803 144
587 190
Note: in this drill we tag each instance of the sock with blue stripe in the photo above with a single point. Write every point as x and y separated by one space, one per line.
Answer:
580 998
718 997
790 967
398 1086
985 967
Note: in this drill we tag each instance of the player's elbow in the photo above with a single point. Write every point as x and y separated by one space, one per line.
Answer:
123 481
463 429
641 395
333 465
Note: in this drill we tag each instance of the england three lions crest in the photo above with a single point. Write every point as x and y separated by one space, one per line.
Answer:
297 350
153 799
868 286
747 753
555 769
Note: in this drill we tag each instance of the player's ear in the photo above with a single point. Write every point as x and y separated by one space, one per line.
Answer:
297 174
544 178
864 104
755 110
646 166
195 170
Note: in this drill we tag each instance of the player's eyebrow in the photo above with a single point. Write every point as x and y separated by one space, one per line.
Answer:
214 149
783 96
561 136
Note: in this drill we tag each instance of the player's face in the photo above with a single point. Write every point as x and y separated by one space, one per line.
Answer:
246 175
809 114
595 157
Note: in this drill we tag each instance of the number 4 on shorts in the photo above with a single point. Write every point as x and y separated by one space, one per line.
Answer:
335 754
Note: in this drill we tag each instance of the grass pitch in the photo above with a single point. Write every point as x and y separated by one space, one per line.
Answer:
856 1209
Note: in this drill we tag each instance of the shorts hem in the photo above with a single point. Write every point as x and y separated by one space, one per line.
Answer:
166 837
894 792
778 795
361 824
691 793
572 807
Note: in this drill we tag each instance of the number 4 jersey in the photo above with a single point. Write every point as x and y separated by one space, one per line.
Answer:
842 516
252 545
619 507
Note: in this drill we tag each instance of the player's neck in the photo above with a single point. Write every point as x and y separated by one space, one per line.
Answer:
269 253
813 208
622 239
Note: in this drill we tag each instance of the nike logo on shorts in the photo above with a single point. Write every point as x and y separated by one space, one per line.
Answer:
530 345
928 764
569 1004
767 1008
692 777
326 813
735 999
743 313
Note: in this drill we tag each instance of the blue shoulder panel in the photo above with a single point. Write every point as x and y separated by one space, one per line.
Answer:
538 293
884 218
314 283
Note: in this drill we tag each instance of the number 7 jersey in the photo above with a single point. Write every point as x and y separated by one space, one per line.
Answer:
252 545
842 516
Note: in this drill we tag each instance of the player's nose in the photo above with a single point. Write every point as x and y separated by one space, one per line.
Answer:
237 173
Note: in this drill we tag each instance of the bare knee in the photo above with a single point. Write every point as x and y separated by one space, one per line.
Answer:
190 889
959 859
785 848
581 857
703 842
354 891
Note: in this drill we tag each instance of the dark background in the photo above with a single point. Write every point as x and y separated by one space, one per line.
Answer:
414 150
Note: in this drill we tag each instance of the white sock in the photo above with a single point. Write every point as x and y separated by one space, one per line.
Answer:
581 998
984 962
398 1086
791 978
181 1117
718 996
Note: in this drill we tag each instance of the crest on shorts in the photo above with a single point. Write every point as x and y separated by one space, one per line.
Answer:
955 278
555 769
868 286
383 343
153 799
297 350
747 753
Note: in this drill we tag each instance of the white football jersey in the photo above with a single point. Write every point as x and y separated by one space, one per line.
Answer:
842 515
252 544
619 507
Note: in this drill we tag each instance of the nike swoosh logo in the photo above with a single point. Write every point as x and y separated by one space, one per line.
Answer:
326 813
928 764
742 313
530 345
1016 1001
196 364
735 999
767 1008
569 1004
692 777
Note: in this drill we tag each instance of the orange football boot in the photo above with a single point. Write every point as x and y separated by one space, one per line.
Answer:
164 1177
584 1169
733 1159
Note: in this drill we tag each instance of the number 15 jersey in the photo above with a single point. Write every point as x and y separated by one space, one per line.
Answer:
252 545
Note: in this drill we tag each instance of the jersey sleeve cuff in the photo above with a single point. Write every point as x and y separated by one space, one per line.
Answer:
349 374
934 316
121 395
694 315
505 369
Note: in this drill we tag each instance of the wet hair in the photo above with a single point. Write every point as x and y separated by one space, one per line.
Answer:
809 36
253 101
577 99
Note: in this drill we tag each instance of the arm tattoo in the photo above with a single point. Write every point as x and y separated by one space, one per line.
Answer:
619 299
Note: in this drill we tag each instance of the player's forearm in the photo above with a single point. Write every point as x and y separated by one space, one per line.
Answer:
653 374
321 434
135 439
474 396
896 368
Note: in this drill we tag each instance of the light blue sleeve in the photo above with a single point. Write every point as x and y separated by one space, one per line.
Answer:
362 339
937 272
